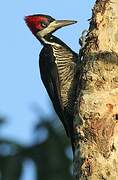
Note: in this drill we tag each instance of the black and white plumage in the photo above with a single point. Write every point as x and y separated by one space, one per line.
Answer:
58 66
58 69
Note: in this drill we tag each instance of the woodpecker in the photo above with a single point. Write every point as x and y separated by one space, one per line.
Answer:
58 67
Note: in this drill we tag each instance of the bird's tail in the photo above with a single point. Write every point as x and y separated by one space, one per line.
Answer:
69 120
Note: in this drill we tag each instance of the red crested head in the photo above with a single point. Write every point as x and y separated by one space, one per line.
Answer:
44 25
37 22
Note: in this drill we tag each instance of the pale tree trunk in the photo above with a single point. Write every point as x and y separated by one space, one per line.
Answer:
96 117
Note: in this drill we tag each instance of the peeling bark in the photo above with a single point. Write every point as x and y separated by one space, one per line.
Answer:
96 117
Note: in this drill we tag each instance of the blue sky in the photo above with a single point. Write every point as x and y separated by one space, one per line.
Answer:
20 82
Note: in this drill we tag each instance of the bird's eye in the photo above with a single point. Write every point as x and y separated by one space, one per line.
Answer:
44 24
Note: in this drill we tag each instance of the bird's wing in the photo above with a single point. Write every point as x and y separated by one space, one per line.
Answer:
50 78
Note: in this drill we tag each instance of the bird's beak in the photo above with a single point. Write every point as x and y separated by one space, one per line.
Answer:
61 23
53 26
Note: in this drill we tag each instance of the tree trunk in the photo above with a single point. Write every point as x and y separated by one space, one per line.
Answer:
96 118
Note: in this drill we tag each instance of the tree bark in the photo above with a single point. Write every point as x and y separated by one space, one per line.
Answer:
96 117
